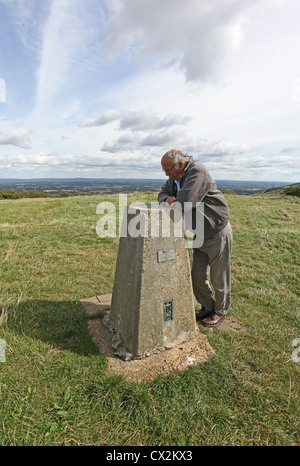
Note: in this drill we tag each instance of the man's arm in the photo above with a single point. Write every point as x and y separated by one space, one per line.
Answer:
167 193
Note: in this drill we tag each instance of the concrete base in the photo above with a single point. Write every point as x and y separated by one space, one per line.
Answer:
99 305
179 358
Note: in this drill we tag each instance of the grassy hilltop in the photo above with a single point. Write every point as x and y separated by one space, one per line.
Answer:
53 385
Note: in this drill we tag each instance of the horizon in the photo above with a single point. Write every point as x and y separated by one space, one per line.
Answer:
92 90
139 179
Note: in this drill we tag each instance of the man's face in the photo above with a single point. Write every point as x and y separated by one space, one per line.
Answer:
171 169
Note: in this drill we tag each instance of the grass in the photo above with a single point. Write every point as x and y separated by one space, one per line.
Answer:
53 385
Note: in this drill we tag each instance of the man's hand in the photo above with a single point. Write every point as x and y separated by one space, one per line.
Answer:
170 200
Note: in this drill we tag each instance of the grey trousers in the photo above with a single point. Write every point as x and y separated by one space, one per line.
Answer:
213 259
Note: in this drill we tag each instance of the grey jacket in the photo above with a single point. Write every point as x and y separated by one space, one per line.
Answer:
196 185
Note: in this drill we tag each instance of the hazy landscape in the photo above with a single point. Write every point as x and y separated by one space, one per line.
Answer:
90 186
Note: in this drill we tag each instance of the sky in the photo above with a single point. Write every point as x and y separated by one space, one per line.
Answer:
103 88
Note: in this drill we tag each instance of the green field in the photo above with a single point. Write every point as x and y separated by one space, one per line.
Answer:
54 389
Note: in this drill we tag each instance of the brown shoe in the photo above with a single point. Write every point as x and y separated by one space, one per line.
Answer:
213 320
202 313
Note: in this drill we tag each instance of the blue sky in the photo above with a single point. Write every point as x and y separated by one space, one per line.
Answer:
95 88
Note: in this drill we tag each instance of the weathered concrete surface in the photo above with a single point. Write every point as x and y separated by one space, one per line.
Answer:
152 278
180 357
96 304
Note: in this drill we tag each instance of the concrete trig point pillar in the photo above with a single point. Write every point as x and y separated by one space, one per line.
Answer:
152 305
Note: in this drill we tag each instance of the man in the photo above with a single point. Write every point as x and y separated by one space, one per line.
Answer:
189 181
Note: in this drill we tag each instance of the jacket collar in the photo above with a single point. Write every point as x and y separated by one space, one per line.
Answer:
185 171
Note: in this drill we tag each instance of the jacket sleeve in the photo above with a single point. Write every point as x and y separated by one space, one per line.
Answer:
166 191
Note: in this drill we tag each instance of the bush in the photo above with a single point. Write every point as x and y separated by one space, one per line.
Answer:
34 193
10 194
228 191
292 190
64 194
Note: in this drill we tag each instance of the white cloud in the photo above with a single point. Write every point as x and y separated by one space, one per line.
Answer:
18 137
197 36
107 117
146 120
68 47
291 149
137 121
161 139
223 159
221 149
59 37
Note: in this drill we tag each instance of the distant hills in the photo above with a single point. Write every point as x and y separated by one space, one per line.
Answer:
291 189
88 186
98 185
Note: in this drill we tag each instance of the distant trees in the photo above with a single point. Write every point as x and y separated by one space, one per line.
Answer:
292 190
228 191
65 194
10 194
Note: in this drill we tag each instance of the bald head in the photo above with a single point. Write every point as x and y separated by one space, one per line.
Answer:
171 154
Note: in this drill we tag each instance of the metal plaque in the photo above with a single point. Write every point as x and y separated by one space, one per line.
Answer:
166 256
168 311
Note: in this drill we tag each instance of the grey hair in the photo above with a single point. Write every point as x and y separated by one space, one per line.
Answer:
179 155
